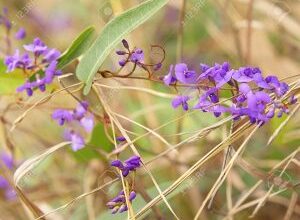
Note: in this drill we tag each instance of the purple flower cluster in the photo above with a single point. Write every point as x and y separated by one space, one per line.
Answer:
80 116
136 56
118 204
38 60
130 164
254 96
8 191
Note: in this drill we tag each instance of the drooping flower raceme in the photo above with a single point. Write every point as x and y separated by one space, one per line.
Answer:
254 96
38 63
79 116
118 204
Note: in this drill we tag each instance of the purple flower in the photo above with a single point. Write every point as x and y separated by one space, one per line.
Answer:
133 161
209 72
122 62
51 71
282 89
132 196
81 117
44 61
21 34
39 83
7 159
121 139
207 103
258 100
51 55
137 56
157 67
181 100
81 110
254 104
77 141
247 74
62 116
118 204
207 99
293 100
121 53
169 78
184 75
244 88
223 75
37 47
130 164
117 163
17 61
27 86
272 81
3 183
271 112
87 123
125 44
204 67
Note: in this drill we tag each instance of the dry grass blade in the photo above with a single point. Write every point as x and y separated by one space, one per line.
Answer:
244 198
147 129
30 206
293 202
77 199
252 203
224 173
21 117
149 91
216 150
120 127
24 169
30 164
146 169
281 126
264 198
124 182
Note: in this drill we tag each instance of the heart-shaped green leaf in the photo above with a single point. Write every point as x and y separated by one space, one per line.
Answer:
111 35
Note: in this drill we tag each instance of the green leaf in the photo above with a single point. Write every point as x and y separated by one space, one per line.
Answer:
99 139
111 35
78 47
9 81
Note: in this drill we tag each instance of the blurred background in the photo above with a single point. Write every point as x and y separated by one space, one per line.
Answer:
263 33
